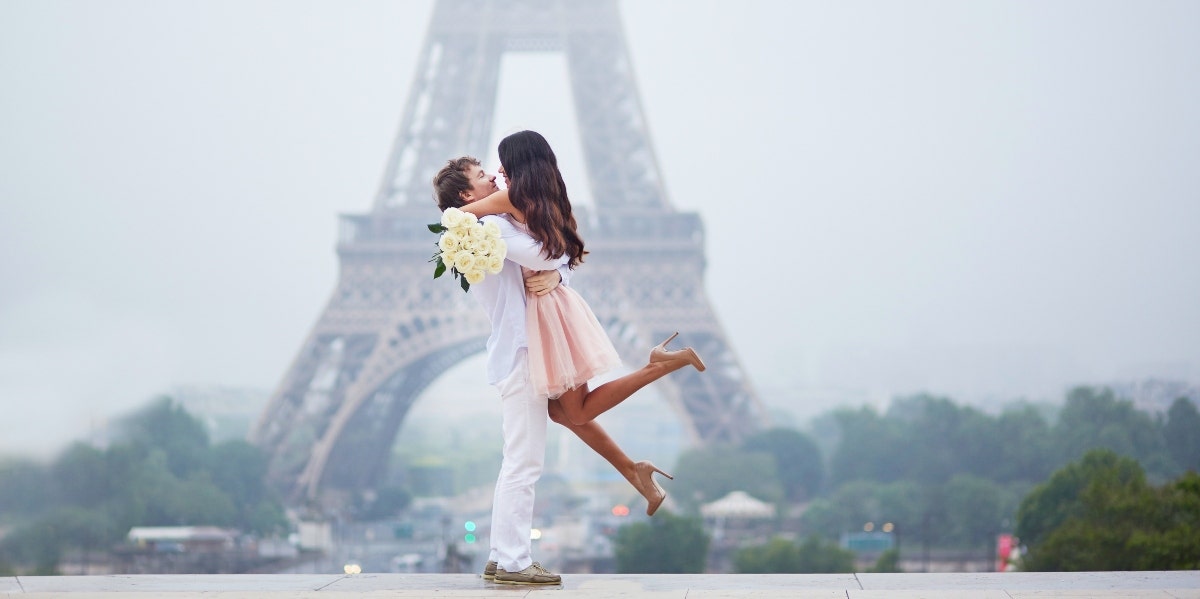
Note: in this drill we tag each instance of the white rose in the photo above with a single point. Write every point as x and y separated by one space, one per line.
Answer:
474 276
495 264
448 257
448 242
480 263
492 230
453 217
487 247
458 233
463 261
501 249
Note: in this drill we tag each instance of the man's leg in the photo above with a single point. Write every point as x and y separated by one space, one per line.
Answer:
524 421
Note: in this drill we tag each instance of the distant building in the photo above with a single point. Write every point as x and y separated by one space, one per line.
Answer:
176 539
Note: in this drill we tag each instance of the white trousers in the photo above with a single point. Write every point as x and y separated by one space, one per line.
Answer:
524 421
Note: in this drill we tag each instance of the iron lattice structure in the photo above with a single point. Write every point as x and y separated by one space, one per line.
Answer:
390 330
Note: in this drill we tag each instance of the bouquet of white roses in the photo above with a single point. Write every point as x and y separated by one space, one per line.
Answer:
468 248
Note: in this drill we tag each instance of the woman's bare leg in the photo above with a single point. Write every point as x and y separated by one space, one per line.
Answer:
639 474
583 405
595 437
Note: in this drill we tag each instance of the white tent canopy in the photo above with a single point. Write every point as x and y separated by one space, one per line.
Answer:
737 504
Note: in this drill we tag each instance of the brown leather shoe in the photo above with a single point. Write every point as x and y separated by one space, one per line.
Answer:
489 571
534 574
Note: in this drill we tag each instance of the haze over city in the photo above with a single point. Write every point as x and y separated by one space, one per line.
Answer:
986 200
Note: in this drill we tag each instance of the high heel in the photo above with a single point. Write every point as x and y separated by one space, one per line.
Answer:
687 354
648 487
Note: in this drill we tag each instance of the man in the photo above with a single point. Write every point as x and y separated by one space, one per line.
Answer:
524 415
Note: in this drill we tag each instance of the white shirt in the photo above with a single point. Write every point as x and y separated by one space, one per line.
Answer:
503 296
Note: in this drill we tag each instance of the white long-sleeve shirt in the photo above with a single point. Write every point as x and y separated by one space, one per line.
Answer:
503 296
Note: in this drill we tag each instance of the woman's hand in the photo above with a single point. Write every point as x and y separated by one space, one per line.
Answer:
542 282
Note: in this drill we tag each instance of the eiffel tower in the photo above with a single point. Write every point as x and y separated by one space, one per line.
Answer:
390 330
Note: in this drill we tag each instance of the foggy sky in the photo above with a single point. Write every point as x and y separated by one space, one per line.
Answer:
988 200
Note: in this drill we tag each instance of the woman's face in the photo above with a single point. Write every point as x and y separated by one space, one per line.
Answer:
503 174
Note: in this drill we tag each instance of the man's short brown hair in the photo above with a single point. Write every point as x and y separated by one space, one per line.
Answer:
450 182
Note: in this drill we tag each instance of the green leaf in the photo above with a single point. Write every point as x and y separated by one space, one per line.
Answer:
464 284
437 228
440 268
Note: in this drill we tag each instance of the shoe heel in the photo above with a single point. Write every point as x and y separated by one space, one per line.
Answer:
663 346
656 469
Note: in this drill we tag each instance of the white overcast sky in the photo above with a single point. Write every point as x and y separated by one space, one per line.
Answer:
984 199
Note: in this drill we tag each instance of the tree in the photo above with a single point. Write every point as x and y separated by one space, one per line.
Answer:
667 544
1100 514
81 476
888 561
869 447
239 470
707 474
1175 545
1094 418
25 488
167 426
798 464
1024 438
939 439
1053 503
975 509
164 473
855 504
1182 434
814 555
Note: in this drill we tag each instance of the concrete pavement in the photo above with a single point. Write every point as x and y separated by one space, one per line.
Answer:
1016 585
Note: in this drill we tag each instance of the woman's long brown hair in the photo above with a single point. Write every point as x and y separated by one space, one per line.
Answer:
536 188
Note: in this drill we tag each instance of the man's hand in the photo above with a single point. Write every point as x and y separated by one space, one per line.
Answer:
542 281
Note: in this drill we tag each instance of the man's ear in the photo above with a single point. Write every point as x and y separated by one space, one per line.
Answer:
466 196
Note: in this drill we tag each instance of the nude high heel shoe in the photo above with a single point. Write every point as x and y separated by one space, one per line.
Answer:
648 487
687 354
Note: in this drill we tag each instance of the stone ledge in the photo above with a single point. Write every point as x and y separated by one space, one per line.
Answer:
1017 585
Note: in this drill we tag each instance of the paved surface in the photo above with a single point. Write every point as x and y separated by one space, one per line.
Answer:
1020 585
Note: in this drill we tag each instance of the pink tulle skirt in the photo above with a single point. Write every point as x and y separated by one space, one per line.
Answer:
567 345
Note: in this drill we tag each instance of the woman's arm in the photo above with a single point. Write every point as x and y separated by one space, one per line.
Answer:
497 203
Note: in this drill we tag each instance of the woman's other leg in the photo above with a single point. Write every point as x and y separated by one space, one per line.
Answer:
639 474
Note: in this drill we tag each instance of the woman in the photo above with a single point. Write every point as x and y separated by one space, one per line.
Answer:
567 345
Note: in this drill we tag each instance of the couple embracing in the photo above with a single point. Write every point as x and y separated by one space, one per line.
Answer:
545 342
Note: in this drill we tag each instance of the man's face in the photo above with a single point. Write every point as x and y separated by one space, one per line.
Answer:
482 184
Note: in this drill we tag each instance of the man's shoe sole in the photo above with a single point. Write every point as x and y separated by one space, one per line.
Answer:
527 582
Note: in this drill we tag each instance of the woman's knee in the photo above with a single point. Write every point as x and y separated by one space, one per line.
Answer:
578 418
555 410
